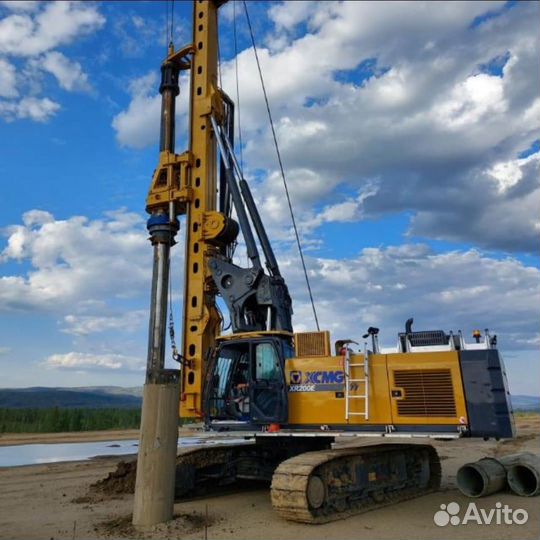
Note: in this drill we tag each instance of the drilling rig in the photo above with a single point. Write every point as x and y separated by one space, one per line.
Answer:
289 396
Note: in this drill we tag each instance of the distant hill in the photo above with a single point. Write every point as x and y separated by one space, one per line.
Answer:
112 390
526 403
96 397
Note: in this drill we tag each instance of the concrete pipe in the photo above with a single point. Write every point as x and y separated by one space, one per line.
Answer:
523 473
481 478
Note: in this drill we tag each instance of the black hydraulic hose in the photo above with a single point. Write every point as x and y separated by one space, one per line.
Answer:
269 255
251 246
271 261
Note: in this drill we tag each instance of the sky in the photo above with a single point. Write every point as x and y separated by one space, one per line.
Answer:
409 133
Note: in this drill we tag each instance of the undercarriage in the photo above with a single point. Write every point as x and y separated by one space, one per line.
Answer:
310 481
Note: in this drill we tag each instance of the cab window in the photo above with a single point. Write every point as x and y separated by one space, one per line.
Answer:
266 363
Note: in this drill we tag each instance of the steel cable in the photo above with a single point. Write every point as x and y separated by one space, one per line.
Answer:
281 167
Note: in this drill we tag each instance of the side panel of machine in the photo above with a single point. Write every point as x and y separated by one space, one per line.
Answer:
486 392
426 388
317 391
412 389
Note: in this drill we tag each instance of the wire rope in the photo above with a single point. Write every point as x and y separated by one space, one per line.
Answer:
298 243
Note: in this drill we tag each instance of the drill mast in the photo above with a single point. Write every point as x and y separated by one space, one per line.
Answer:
187 184
201 319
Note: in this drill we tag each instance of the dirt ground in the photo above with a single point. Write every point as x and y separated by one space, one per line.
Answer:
38 502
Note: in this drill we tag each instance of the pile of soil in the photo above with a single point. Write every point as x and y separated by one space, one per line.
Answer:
117 482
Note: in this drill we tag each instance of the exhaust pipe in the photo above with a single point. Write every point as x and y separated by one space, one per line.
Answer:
523 473
488 475
481 478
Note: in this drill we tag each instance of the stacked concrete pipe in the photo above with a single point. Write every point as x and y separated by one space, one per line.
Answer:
523 474
520 472
481 478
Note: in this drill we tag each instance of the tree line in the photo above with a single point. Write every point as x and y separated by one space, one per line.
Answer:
55 420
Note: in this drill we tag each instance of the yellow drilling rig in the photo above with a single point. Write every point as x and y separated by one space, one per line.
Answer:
290 396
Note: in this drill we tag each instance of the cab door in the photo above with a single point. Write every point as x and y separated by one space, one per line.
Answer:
267 389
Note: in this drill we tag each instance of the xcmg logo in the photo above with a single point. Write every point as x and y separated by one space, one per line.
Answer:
295 377
324 377
317 377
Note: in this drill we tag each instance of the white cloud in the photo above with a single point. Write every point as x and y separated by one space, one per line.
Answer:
84 283
471 100
425 129
75 260
78 360
496 210
37 109
37 217
84 325
345 211
422 117
8 80
20 5
385 286
4 350
287 16
138 125
29 35
58 23
78 264
69 74
508 174
83 270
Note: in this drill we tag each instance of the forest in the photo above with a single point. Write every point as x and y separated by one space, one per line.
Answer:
55 419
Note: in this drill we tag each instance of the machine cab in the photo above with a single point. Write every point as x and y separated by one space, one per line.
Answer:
245 383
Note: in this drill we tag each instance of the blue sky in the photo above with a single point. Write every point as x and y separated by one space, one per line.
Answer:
410 138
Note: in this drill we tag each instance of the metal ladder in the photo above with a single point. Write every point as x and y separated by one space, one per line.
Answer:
362 381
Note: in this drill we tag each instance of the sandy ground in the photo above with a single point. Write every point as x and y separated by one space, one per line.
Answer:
38 501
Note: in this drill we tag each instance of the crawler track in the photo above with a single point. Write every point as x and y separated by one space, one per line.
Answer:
200 469
323 486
